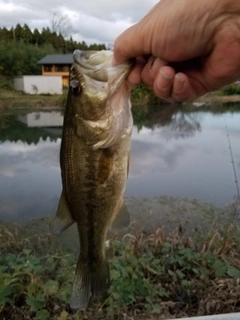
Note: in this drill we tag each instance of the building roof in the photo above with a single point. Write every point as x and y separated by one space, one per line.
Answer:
57 59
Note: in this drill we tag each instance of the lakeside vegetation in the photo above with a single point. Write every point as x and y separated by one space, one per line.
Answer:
140 96
10 98
154 275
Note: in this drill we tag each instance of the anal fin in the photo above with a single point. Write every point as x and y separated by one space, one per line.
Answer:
63 218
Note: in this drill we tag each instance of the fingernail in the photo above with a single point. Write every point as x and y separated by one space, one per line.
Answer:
164 81
166 76
178 85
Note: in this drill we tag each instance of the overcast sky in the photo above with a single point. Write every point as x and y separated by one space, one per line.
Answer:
93 21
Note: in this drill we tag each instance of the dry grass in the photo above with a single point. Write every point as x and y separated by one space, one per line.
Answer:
154 275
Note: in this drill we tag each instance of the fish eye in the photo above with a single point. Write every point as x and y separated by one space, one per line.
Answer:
75 87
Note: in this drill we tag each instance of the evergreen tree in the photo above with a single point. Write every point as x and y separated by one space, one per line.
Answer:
46 36
36 38
18 32
27 34
97 47
61 43
5 34
12 34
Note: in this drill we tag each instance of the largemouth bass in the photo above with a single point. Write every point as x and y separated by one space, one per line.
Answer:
94 161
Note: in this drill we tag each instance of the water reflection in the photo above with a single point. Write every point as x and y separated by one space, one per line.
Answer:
41 119
14 127
163 161
182 125
173 153
30 179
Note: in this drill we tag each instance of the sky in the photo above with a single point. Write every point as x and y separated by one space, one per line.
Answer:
93 21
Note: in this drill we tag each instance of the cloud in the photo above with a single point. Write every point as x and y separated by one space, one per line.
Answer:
18 158
85 29
157 156
94 20
131 11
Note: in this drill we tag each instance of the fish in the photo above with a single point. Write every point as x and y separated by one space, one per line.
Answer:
94 161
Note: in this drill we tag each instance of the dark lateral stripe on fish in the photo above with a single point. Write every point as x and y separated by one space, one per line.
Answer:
91 186
105 165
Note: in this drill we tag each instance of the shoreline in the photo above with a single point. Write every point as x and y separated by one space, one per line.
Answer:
190 215
222 99
17 100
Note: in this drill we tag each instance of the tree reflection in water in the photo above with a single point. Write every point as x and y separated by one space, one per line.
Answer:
183 125
179 123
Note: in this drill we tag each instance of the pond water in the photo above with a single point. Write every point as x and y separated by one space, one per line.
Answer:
174 153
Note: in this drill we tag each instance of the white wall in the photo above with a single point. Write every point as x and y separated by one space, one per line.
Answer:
39 84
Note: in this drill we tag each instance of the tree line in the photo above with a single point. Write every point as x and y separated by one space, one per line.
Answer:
21 48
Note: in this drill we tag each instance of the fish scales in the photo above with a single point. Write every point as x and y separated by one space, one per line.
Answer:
94 160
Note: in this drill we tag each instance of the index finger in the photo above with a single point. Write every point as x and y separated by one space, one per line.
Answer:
130 44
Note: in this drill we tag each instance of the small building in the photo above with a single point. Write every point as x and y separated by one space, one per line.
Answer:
38 84
57 65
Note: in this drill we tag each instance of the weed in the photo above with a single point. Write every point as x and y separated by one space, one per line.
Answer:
6 83
232 89
152 276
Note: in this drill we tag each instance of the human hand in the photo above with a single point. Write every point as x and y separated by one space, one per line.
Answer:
184 49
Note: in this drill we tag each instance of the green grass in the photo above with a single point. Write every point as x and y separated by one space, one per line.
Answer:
153 276
15 99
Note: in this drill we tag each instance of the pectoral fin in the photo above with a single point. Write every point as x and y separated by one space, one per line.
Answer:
63 218
122 220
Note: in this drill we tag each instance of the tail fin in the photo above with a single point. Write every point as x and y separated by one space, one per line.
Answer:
89 283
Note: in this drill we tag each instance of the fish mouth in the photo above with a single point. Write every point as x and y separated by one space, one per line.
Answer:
98 64
92 60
